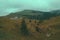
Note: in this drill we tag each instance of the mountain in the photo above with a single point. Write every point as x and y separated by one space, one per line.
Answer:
30 25
32 14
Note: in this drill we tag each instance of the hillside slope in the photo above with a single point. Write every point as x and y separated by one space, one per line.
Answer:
32 14
10 29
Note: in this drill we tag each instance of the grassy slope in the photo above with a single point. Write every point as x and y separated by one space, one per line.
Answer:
10 29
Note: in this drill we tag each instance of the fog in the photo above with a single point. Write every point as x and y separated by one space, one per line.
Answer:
8 6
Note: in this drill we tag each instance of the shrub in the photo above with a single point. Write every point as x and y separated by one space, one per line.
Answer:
24 30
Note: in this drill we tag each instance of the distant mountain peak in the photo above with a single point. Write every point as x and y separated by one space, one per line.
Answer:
33 14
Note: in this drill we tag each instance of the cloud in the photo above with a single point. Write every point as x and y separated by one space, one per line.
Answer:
7 6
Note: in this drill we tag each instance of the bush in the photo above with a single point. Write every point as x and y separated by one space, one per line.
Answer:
24 30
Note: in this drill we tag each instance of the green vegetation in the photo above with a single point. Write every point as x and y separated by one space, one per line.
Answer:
23 29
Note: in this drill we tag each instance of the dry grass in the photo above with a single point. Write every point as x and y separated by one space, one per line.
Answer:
10 29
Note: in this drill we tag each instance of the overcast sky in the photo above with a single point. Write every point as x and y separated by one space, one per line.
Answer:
7 6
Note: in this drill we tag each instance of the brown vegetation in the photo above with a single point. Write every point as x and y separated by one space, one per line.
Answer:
11 29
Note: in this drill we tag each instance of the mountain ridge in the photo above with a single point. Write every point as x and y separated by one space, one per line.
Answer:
32 14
